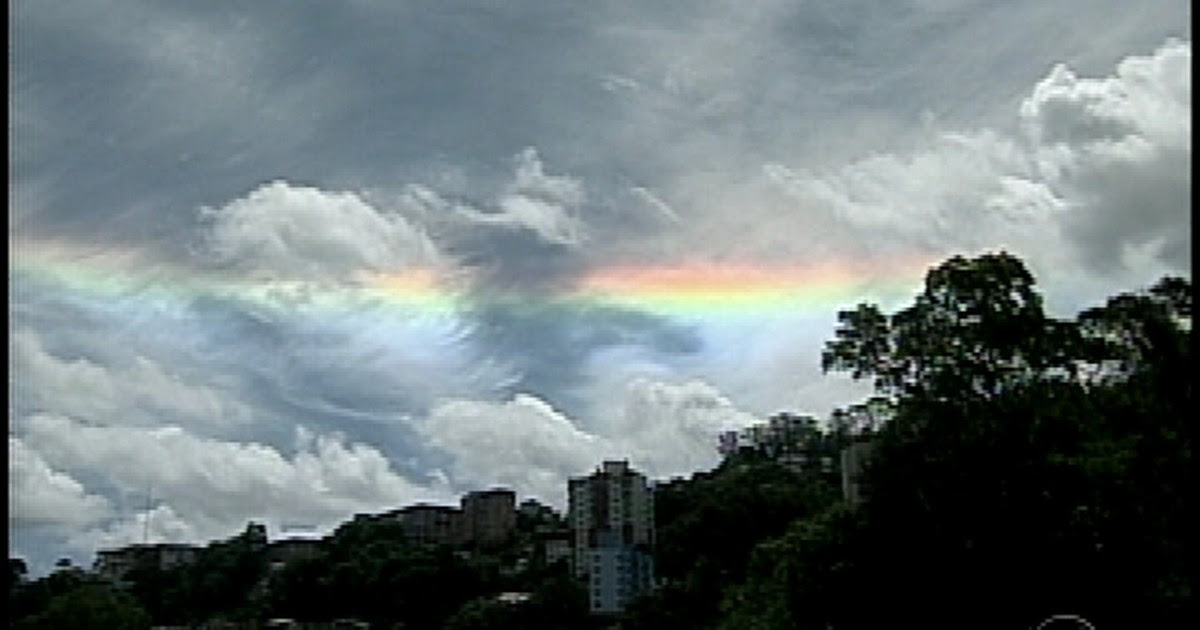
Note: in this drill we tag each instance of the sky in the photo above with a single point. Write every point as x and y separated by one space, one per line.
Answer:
292 261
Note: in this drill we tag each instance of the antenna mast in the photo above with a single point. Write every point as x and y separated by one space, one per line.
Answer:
146 518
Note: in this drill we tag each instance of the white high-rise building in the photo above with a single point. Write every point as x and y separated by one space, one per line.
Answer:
611 514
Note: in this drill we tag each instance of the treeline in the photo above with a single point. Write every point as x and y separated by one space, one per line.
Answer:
1024 468
367 571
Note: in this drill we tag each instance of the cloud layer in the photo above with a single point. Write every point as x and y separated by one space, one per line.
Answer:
292 262
1095 179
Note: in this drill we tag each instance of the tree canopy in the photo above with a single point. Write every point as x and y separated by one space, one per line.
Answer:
1026 466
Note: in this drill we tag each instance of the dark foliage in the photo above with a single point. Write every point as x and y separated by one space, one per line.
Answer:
1029 467
707 527
71 600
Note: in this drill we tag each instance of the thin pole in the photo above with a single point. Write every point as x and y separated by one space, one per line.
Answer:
146 518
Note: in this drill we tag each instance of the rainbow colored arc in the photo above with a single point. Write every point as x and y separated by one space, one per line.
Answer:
684 290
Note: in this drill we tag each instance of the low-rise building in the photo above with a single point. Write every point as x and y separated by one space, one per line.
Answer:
487 517
794 441
781 434
556 550
551 544
293 548
853 460
490 516
432 524
115 564
536 512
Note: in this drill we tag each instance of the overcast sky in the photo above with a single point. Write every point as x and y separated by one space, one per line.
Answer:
289 261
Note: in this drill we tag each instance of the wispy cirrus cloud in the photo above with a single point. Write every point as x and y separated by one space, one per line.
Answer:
141 393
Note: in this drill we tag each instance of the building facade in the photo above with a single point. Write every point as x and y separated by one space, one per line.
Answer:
115 564
556 549
489 516
853 460
781 434
611 514
285 551
432 524
794 441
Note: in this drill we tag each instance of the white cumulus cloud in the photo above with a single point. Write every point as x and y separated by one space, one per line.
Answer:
1099 172
214 487
671 428
40 495
293 231
1118 149
663 429
522 443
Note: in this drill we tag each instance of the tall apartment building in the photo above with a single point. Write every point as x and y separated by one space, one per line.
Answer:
611 514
